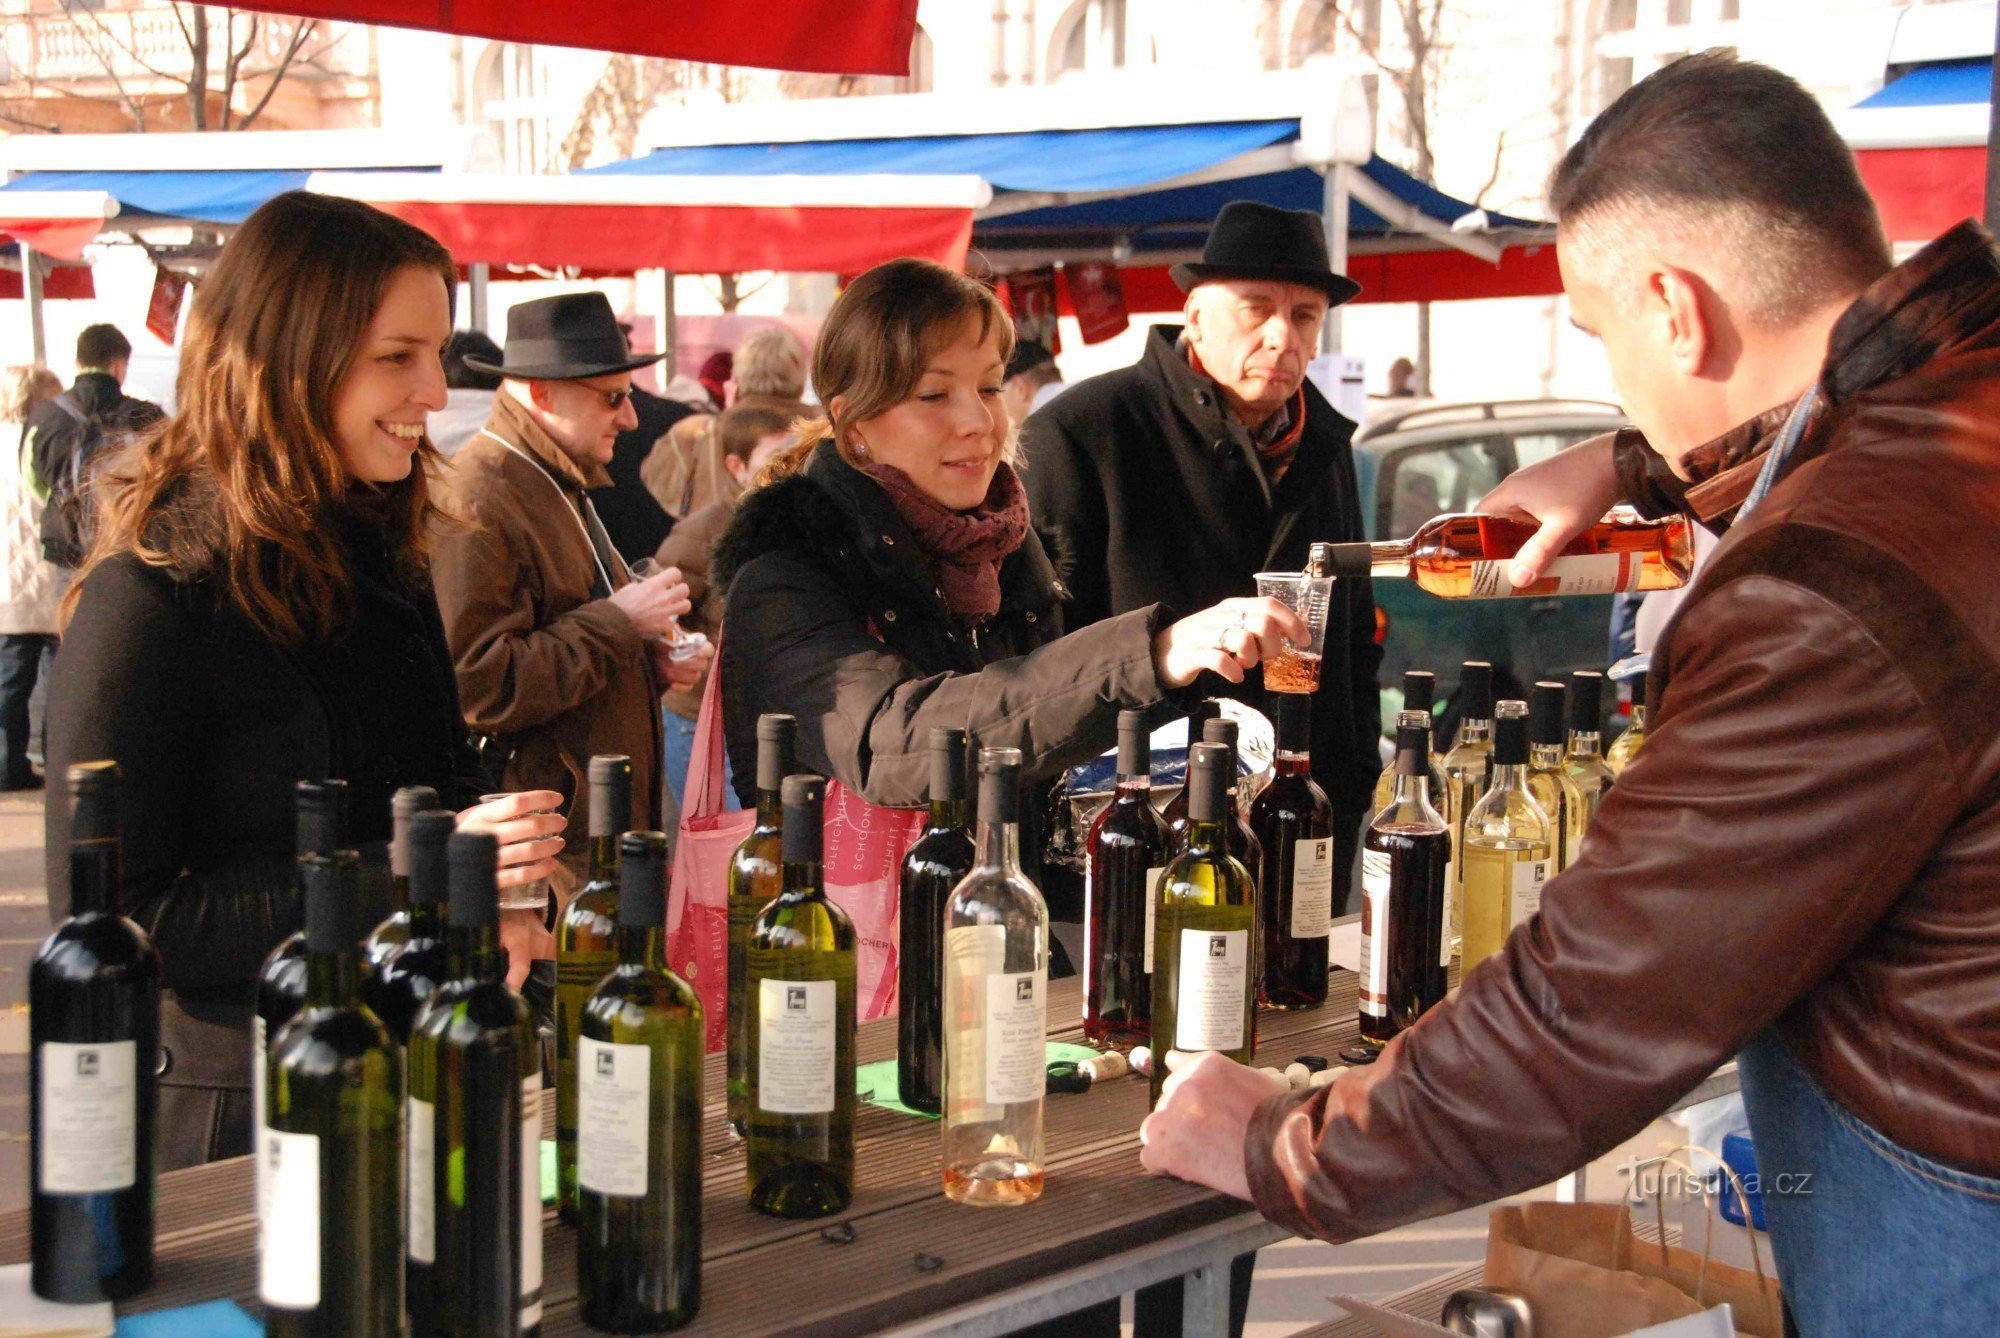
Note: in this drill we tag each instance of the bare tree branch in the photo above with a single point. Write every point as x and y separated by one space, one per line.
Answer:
1493 173
299 35
132 104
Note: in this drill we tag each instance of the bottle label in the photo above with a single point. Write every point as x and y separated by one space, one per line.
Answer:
1016 1032
89 1135
795 1046
1312 888
1529 875
1588 574
1373 978
259 1056
612 1098
1213 984
531 1199
421 1173
1153 877
290 1269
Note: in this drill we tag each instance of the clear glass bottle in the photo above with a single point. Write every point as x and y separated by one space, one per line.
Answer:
1125 854
1548 781
414 968
1468 772
331 1256
799 983
1583 753
1468 557
1626 746
93 1087
1404 957
587 950
996 985
1205 930
1507 843
755 872
935 864
1293 822
1419 694
638 1234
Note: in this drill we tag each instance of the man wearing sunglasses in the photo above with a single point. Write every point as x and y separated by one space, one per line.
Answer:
559 650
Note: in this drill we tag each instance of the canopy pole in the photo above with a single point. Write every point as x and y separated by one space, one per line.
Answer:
31 288
669 335
1993 142
476 279
1336 246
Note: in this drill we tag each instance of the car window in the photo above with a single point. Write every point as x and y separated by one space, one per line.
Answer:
1432 480
1531 448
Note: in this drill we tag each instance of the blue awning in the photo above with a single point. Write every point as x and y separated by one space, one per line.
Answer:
205 197
1945 84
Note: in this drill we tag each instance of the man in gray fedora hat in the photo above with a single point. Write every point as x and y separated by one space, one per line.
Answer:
558 649
1177 479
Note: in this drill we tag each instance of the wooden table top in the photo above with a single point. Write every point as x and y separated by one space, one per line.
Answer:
764 1275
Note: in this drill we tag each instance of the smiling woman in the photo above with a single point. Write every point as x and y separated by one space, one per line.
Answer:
256 610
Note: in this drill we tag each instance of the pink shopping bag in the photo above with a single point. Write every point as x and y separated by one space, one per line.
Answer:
864 848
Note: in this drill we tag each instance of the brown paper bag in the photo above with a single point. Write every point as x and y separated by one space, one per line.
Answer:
1586 1275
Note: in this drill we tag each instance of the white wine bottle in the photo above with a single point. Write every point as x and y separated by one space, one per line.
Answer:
1583 754
1468 771
755 872
1548 782
586 950
1506 850
996 985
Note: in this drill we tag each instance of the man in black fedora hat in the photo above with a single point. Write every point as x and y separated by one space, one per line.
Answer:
1176 480
559 650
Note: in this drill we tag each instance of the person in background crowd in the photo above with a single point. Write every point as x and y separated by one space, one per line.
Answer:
560 653
751 436
1213 459
256 610
687 470
468 393
714 377
68 434
1802 867
1402 375
30 585
684 389
1033 379
631 515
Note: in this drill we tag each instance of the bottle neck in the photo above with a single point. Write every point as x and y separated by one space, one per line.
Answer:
999 845
950 815
426 920
770 811
1393 557
94 877
1206 837
333 979
642 945
604 859
476 953
1545 757
800 882
1287 763
1475 733
1412 790
1512 776
1639 716
1136 789
399 891
1584 745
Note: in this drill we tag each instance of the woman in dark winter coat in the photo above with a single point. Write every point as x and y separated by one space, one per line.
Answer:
256 611
886 579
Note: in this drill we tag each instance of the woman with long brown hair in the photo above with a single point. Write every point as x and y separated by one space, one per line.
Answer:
256 610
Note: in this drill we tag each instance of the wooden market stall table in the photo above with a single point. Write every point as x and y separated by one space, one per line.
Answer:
917 1263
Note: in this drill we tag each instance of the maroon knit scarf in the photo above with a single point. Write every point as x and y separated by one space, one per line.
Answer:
968 546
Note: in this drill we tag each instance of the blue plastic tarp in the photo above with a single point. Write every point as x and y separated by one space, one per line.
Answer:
207 197
1946 84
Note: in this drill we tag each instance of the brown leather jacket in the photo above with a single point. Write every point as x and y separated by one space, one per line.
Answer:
1810 839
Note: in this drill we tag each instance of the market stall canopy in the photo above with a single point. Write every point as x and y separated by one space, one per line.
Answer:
703 224
851 37
58 222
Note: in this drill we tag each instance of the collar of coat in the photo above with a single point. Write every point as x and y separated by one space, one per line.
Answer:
832 514
513 424
1941 297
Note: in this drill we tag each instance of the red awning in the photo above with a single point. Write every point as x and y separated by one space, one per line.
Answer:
697 225
61 283
55 222
850 37
1402 276
1924 192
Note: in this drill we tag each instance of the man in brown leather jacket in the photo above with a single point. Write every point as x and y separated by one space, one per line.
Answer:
1802 868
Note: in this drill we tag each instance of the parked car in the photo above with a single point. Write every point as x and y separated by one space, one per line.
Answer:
1416 461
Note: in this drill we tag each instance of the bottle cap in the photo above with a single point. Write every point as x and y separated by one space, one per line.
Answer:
1211 768
1545 714
1419 690
1292 721
1586 702
405 804
1510 734
1413 743
804 797
1475 690
333 900
93 797
776 736
642 880
473 860
610 794
948 744
999 785
1135 744
322 815
430 836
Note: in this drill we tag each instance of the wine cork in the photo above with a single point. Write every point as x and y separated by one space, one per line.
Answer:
1142 1061
1297 1075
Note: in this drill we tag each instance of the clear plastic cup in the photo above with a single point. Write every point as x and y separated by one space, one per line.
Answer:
1296 668
524 896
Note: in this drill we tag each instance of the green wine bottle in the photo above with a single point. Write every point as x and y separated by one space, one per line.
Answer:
799 985
1204 990
414 968
393 932
332 1257
638 1151
754 875
586 950
475 1122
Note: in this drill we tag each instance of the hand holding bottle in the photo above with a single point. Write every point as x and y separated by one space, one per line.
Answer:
1231 638
1564 495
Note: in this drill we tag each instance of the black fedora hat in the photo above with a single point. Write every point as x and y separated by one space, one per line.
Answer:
1261 241
563 339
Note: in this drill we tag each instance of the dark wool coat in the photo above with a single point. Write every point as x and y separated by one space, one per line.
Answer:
1146 492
